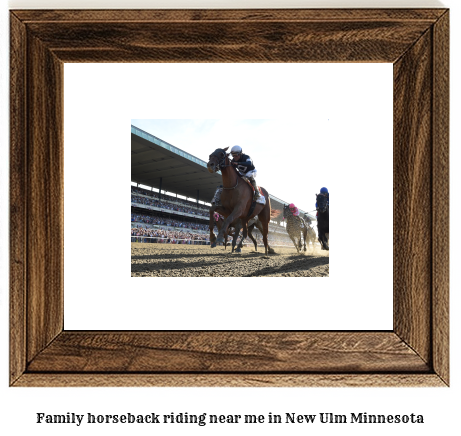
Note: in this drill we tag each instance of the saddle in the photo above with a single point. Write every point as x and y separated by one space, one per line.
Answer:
245 179
262 198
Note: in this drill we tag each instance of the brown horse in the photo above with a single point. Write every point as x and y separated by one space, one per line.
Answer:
237 198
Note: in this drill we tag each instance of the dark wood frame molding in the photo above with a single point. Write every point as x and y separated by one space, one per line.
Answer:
414 353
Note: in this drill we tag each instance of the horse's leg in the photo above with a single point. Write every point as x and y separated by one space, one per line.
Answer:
292 237
305 237
240 246
236 235
229 234
212 221
244 229
250 234
237 212
294 243
322 240
227 222
264 229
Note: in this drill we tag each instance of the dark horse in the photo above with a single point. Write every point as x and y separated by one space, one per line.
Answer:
237 199
295 228
323 221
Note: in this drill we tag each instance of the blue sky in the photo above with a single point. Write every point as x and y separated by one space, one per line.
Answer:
284 151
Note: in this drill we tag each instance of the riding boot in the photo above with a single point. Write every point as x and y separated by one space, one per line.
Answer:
255 186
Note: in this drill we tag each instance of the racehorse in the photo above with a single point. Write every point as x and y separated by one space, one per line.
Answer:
294 228
237 198
323 221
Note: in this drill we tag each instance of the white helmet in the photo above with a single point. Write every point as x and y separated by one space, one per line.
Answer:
236 149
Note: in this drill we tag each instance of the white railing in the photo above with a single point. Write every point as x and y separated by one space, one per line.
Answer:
160 240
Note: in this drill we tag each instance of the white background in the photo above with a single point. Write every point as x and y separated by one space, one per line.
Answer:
439 406
354 146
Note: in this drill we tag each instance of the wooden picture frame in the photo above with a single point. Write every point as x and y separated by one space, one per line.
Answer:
414 353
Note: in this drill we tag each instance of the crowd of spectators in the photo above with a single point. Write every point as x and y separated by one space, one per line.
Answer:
150 198
162 221
162 236
168 206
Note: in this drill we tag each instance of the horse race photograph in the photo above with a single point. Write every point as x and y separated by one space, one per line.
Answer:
226 198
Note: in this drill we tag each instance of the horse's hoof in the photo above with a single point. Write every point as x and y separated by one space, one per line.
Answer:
220 240
238 250
213 245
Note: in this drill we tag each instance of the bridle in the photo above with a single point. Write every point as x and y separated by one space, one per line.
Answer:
222 162
287 215
221 158
324 208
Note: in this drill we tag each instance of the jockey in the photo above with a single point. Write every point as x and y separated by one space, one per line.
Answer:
216 200
244 165
295 211
324 192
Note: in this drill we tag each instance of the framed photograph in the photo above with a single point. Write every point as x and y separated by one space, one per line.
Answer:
414 353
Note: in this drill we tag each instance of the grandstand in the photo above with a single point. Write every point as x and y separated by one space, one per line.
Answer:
158 168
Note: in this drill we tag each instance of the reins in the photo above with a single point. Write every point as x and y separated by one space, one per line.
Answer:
225 166
234 186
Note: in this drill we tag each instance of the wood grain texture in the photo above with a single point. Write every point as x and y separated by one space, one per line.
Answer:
236 352
441 192
205 15
18 192
44 199
229 380
414 354
413 196
357 41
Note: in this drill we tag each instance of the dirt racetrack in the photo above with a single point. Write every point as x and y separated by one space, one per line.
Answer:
167 260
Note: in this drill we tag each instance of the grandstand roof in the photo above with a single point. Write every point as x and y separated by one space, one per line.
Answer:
154 160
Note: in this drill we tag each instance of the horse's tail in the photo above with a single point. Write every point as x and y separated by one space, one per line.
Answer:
275 213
